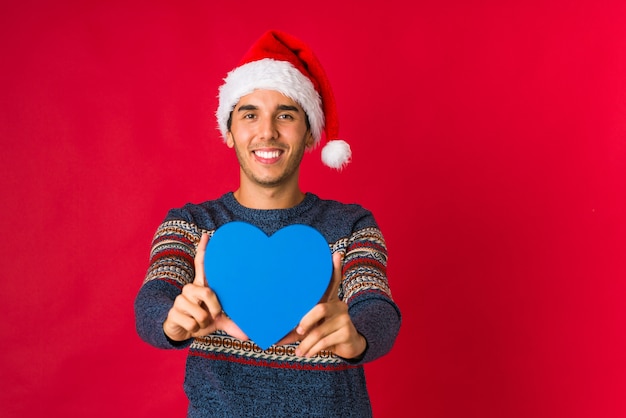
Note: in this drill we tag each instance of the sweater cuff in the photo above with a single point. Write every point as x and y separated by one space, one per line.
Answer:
178 344
360 357
378 320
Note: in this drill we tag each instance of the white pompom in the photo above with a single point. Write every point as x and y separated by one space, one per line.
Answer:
336 154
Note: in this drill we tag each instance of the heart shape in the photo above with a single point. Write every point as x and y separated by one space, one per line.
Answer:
267 284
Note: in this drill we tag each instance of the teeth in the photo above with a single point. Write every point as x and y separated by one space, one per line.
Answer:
267 154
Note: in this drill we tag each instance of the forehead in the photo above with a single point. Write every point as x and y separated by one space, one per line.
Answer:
267 98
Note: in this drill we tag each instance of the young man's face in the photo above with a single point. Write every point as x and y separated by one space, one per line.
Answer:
269 133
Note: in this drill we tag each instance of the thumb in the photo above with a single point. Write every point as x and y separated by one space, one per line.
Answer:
332 293
199 279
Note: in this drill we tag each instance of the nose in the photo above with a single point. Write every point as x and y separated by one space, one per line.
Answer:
267 128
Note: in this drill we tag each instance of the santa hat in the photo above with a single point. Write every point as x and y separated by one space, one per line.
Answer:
280 62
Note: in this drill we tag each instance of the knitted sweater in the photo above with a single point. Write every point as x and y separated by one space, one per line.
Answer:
227 377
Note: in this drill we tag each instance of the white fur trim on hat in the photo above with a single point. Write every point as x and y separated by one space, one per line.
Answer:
270 74
336 154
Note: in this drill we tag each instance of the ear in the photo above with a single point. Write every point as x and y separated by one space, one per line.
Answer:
309 140
230 141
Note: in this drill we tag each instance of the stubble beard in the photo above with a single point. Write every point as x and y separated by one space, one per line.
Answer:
292 167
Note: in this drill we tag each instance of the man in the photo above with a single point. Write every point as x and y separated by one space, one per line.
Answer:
275 105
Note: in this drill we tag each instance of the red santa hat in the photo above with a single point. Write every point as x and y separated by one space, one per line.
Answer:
280 62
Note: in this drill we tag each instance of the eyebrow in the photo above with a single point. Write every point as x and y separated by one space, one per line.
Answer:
247 107
288 107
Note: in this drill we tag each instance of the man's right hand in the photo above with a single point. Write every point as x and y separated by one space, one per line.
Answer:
197 311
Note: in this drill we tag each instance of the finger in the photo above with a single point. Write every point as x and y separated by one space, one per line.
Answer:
198 260
323 337
200 303
203 298
322 309
183 319
320 316
224 323
312 348
336 332
332 292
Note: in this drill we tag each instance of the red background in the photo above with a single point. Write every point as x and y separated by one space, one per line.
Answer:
488 139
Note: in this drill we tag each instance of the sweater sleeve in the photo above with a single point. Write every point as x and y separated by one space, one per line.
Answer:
366 290
171 267
152 305
379 322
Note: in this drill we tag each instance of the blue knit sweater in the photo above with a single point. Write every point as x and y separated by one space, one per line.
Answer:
227 377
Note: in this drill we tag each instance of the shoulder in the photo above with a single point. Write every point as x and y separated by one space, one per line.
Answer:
207 215
345 210
342 218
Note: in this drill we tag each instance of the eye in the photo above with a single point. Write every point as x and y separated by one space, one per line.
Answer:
285 116
249 116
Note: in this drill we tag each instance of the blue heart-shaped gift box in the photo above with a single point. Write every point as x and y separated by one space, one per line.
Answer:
266 284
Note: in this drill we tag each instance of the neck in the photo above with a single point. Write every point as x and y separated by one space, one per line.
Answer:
268 198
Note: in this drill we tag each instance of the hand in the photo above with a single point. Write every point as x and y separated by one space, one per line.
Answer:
328 325
197 311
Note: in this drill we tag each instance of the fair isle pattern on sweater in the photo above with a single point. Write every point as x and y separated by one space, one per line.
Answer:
175 243
227 377
227 348
171 260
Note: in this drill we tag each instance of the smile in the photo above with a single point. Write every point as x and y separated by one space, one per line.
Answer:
267 155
